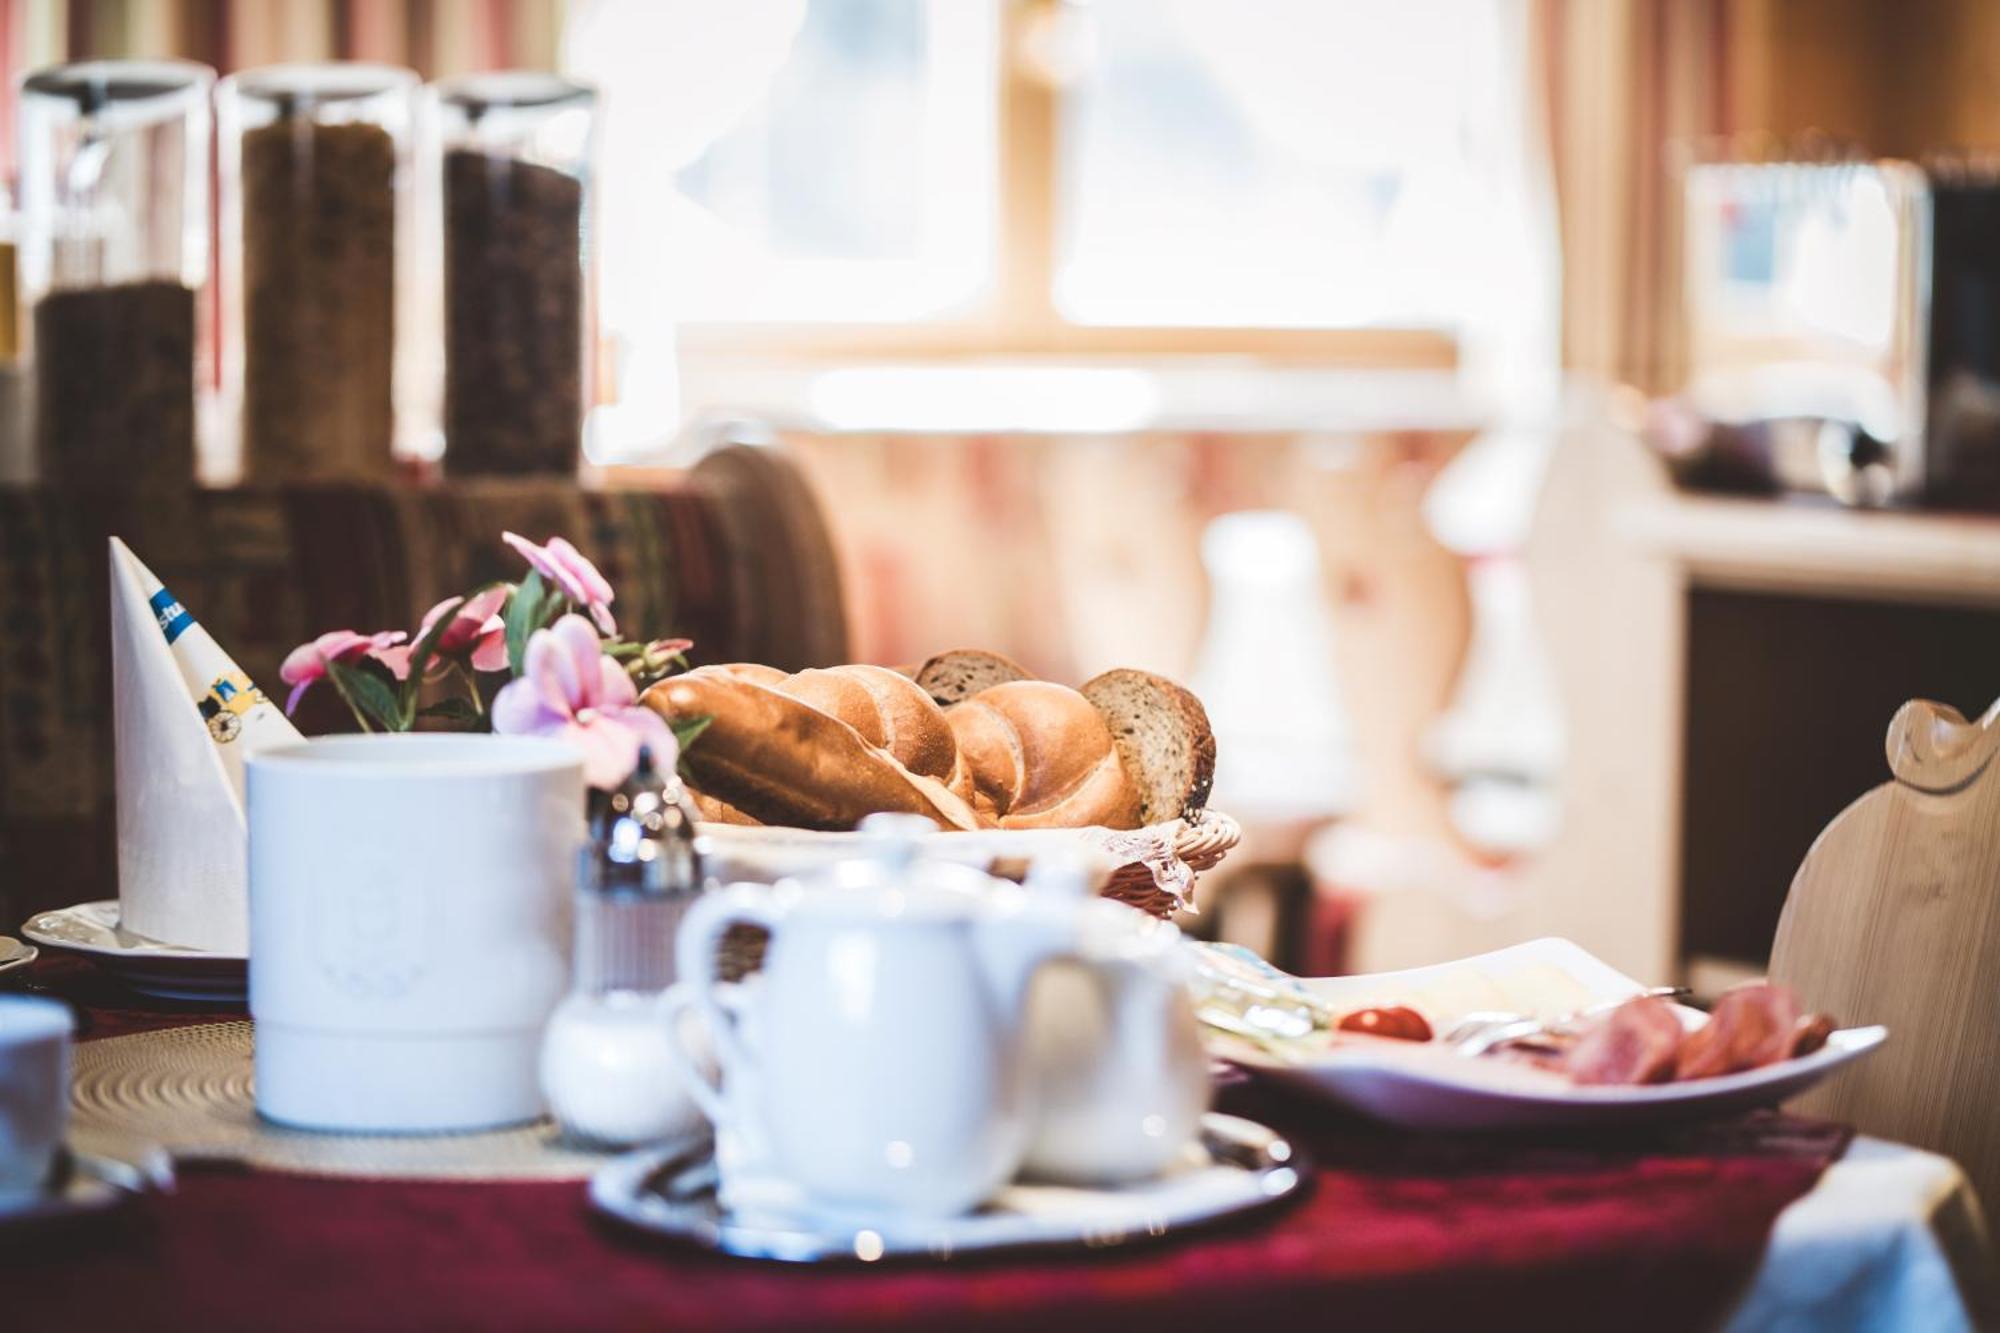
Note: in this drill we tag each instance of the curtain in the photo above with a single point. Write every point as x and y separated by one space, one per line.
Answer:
1633 88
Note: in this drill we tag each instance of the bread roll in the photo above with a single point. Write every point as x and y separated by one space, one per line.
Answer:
890 712
1041 757
779 760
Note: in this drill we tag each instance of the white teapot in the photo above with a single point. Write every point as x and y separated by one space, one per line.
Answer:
877 1064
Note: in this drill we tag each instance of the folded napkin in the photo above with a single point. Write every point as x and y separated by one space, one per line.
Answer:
184 717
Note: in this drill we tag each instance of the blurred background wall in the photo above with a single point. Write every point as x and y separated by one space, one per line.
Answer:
1039 290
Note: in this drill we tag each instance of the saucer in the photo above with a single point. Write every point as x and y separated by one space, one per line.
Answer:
168 971
1236 1167
15 954
85 1186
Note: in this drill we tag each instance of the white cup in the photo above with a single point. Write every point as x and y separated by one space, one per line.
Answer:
409 927
34 1090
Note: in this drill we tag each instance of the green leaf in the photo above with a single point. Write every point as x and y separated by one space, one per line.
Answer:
688 729
525 612
453 709
368 693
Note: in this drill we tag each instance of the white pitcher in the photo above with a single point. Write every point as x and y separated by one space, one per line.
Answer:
875 1064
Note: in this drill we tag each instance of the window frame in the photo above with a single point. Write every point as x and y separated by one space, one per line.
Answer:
1019 318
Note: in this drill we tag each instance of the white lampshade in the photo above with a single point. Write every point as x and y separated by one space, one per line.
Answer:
1266 671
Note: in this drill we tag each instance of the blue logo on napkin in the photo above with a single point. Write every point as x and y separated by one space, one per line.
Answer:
173 617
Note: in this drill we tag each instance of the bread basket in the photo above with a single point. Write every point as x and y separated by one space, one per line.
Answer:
1158 878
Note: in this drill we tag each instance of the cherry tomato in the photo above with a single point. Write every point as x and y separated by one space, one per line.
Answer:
1397 1021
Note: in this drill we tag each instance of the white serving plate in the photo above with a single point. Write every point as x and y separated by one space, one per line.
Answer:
146 965
1427 1087
15 954
1239 1166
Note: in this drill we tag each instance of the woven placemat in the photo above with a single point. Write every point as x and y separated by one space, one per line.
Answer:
188 1089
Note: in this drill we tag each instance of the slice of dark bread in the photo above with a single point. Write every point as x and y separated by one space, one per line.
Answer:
1163 739
963 672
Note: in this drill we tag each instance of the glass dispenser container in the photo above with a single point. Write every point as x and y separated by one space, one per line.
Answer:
519 307
113 259
316 210
608 1073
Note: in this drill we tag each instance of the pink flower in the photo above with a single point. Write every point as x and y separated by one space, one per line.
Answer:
572 574
308 662
568 689
476 632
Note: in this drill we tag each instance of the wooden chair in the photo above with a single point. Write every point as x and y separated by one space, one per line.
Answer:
1894 918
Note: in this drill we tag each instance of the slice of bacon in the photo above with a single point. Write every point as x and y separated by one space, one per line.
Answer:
1810 1034
1752 1025
1634 1043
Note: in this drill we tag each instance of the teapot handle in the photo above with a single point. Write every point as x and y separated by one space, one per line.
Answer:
700 989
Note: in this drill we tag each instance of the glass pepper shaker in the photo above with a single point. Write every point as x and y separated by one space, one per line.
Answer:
608 1074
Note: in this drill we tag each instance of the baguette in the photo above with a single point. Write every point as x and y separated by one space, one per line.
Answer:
777 759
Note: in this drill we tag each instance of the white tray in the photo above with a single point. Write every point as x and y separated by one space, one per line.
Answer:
1239 1166
1428 1087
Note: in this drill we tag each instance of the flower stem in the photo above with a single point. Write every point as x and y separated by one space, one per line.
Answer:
471 687
352 706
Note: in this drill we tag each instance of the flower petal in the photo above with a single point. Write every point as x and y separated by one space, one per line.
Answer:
596 588
614 687
518 710
581 652
303 665
653 733
396 659
610 750
431 616
542 666
486 605
490 653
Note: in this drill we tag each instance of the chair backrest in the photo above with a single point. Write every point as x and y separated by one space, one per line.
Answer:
1894 918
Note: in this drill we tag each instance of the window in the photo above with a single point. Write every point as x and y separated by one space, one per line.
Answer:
1304 179
1279 163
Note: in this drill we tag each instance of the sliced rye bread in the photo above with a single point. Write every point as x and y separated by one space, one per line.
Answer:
1163 739
964 672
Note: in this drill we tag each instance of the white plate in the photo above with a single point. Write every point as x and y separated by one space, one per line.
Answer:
1428 1087
1239 1166
14 954
147 966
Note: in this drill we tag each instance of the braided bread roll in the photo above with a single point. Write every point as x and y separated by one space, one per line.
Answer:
1041 756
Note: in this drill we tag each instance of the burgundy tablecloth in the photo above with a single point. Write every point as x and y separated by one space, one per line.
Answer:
1396 1231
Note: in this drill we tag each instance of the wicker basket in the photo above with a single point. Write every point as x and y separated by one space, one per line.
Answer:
1199 846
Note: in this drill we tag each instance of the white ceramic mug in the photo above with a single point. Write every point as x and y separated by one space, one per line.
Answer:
409 927
34 1090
